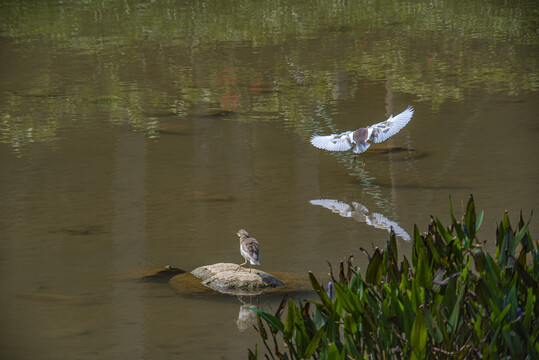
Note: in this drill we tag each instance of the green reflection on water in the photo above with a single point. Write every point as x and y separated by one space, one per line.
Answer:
260 58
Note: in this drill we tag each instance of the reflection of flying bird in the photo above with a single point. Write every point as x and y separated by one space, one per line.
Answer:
361 214
358 139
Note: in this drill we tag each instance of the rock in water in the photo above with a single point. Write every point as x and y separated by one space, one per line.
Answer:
227 278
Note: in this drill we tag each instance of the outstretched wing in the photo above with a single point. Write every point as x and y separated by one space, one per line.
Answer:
335 142
381 222
335 206
384 130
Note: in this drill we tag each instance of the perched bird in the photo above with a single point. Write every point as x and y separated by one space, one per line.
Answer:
248 249
358 139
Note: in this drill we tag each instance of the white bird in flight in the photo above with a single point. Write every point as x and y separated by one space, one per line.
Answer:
358 139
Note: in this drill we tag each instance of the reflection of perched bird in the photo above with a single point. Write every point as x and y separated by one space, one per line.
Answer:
358 139
248 249
361 214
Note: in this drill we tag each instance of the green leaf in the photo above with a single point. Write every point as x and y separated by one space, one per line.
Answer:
314 343
289 323
345 297
479 259
326 301
393 246
272 320
433 251
332 327
479 221
454 319
512 300
529 310
496 326
456 225
334 353
522 232
470 218
432 327
419 335
318 320
351 348
253 356
280 309
450 292
416 297
261 329
350 324
423 273
373 275
445 234
464 274
501 316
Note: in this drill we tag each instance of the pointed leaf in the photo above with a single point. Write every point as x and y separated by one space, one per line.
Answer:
345 297
291 315
432 327
419 334
479 221
280 309
470 218
334 353
454 319
374 269
261 329
313 344
326 301
445 234
253 356
423 274
272 320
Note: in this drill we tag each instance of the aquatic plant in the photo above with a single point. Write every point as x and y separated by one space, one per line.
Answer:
453 300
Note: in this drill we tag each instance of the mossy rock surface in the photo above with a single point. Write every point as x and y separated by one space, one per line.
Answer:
224 278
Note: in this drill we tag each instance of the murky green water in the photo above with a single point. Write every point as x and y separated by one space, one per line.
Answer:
138 134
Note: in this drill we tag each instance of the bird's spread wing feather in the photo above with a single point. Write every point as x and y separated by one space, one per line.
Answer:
385 129
335 206
381 222
335 142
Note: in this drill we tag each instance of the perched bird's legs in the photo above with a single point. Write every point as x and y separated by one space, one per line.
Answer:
250 266
241 265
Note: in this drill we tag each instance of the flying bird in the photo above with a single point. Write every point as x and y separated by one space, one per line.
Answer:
358 139
248 249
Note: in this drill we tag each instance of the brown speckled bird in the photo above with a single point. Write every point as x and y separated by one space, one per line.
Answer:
248 249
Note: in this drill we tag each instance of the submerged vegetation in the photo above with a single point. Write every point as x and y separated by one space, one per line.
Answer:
453 300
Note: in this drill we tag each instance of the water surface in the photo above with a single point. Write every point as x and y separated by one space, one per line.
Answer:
139 134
